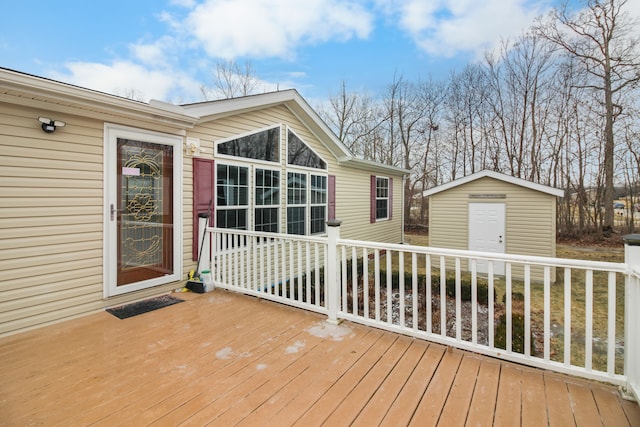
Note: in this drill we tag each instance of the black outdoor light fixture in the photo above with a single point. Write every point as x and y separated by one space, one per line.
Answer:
49 125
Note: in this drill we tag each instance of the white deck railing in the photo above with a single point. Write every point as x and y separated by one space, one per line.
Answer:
571 316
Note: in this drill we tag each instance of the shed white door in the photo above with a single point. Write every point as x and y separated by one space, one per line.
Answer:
487 232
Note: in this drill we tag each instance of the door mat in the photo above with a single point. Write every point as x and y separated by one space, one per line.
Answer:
145 306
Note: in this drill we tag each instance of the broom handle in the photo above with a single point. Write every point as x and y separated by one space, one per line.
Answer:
206 223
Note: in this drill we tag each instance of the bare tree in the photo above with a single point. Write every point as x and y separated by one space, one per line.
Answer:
231 80
600 38
354 118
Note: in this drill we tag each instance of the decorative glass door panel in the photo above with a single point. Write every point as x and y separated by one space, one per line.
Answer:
145 211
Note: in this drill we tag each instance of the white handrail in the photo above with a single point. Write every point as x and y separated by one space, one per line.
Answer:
328 275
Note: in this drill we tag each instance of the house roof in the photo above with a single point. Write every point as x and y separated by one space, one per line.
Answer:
294 102
33 90
495 175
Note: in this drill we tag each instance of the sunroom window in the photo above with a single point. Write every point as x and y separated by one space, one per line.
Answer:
261 145
296 202
299 153
267 200
232 196
318 203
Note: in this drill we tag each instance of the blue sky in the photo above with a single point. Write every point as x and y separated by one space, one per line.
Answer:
167 49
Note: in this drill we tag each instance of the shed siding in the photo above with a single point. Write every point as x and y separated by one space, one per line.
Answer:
530 217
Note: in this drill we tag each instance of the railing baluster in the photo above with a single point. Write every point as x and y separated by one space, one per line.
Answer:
317 285
588 338
354 279
282 288
227 259
292 271
376 280
414 289
509 308
443 297
474 301
547 313
401 305
272 270
458 301
567 316
234 259
260 261
491 311
308 272
344 279
389 288
299 274
428 304
527 310
365 282
611 324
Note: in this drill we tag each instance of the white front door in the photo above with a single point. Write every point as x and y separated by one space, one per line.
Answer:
487 232
143 233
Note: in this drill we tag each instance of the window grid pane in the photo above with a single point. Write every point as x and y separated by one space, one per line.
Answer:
318 219
267 220
296 220
296 188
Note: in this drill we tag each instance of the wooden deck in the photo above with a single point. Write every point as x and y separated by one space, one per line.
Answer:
225 359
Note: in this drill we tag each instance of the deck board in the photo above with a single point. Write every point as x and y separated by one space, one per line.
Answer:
227 359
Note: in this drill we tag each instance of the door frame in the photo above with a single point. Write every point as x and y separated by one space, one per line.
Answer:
110 237
482 266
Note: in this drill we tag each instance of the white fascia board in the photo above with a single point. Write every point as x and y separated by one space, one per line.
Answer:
373 166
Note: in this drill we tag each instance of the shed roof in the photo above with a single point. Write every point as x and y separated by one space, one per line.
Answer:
495 175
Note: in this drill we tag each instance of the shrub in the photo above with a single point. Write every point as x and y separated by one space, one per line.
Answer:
515 296
517 333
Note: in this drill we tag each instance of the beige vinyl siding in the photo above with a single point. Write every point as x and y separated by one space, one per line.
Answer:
530 218
353 198
51 219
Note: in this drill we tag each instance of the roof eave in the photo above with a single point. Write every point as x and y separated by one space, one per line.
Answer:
372 166
88 102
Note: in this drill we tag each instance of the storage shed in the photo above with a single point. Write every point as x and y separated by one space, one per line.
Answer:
493 212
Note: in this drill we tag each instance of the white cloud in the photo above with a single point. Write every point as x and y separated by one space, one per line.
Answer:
274 28
156 53
130 80
448 27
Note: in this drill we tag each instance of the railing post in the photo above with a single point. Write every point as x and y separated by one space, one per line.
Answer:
632 315
333 273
